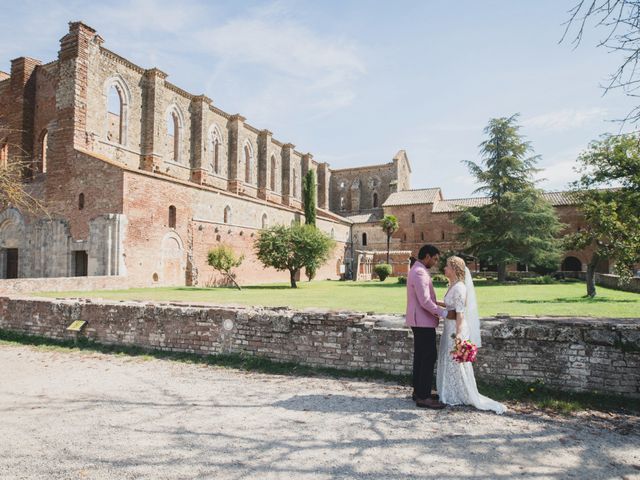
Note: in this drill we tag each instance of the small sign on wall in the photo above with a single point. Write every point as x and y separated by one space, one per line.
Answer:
76 326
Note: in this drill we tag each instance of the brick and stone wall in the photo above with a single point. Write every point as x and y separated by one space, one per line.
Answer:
66 284
609 281
568 353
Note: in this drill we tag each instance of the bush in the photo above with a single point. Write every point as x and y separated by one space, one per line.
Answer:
402 280
383 270
439 278
545 280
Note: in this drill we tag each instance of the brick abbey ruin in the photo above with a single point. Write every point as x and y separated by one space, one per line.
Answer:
141 178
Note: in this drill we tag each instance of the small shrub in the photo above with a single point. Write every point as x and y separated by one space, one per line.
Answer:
545 280
402 280
224 260
439 278
383 270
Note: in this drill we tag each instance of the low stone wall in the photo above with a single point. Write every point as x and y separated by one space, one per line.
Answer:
577 354
609 281
61 284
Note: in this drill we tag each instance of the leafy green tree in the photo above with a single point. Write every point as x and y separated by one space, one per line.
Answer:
517 224
292 248
608 194
224 260
389 225
309 190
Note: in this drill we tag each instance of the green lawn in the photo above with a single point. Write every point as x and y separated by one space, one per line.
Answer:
390 297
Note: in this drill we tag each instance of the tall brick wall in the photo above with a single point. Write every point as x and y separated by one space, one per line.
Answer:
574 354
200 225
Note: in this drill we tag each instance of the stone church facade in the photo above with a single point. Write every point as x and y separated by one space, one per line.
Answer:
140 179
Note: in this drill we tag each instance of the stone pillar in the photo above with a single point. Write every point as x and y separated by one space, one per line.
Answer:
324 178
200 106
69 128
235 180
22 109
307 160
264 163
152 120
287 189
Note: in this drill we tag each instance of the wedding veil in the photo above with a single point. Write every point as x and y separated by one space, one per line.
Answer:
472 316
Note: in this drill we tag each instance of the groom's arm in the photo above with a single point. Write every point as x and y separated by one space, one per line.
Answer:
424 295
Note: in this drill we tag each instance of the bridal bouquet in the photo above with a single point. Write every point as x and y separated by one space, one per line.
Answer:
463 350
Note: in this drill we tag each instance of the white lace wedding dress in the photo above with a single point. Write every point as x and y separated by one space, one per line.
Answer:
455 381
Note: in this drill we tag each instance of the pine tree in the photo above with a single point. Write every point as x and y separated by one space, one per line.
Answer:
518 224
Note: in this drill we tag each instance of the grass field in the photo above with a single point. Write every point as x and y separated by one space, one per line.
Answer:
390 297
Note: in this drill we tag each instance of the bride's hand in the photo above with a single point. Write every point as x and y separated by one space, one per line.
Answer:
441 304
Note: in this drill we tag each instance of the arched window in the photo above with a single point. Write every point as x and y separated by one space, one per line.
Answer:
175 125
114 115
342 203
375 200
364 239
333 233
44 151
4 153
404 237
215 141
273 173
443 235
117 97
248 162
81 201
265 220
422 236
227 214
172 217
413 217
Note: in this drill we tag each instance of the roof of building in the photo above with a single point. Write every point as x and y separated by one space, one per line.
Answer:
366 217
413 197
453 205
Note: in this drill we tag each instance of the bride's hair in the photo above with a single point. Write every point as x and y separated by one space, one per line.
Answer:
457 265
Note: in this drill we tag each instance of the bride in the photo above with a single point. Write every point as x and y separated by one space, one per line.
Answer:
455 381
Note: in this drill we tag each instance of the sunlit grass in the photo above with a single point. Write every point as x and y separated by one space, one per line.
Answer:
390 297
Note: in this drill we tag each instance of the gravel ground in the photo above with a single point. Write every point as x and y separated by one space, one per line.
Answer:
83 415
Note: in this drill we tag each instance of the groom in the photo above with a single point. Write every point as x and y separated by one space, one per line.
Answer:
422 317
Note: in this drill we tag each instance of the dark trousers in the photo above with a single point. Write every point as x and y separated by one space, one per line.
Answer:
424 359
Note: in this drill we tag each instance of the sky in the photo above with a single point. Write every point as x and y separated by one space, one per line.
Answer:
353 82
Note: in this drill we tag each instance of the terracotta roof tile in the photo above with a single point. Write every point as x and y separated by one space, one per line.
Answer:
413 197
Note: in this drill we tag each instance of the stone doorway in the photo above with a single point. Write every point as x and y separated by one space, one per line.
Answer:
81 261
12 263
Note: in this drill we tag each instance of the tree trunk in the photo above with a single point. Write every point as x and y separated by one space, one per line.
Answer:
502 272
388 240
233 280
591 276
292 277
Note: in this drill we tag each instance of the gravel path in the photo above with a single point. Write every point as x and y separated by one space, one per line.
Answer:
82 415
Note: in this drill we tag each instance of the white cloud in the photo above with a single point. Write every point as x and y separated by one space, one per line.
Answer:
299 68
565 119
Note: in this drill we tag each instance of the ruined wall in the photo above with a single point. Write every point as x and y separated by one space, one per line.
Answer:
46 247
175 255
352 189
571 354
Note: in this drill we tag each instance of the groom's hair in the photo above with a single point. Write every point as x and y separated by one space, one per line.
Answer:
428 250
